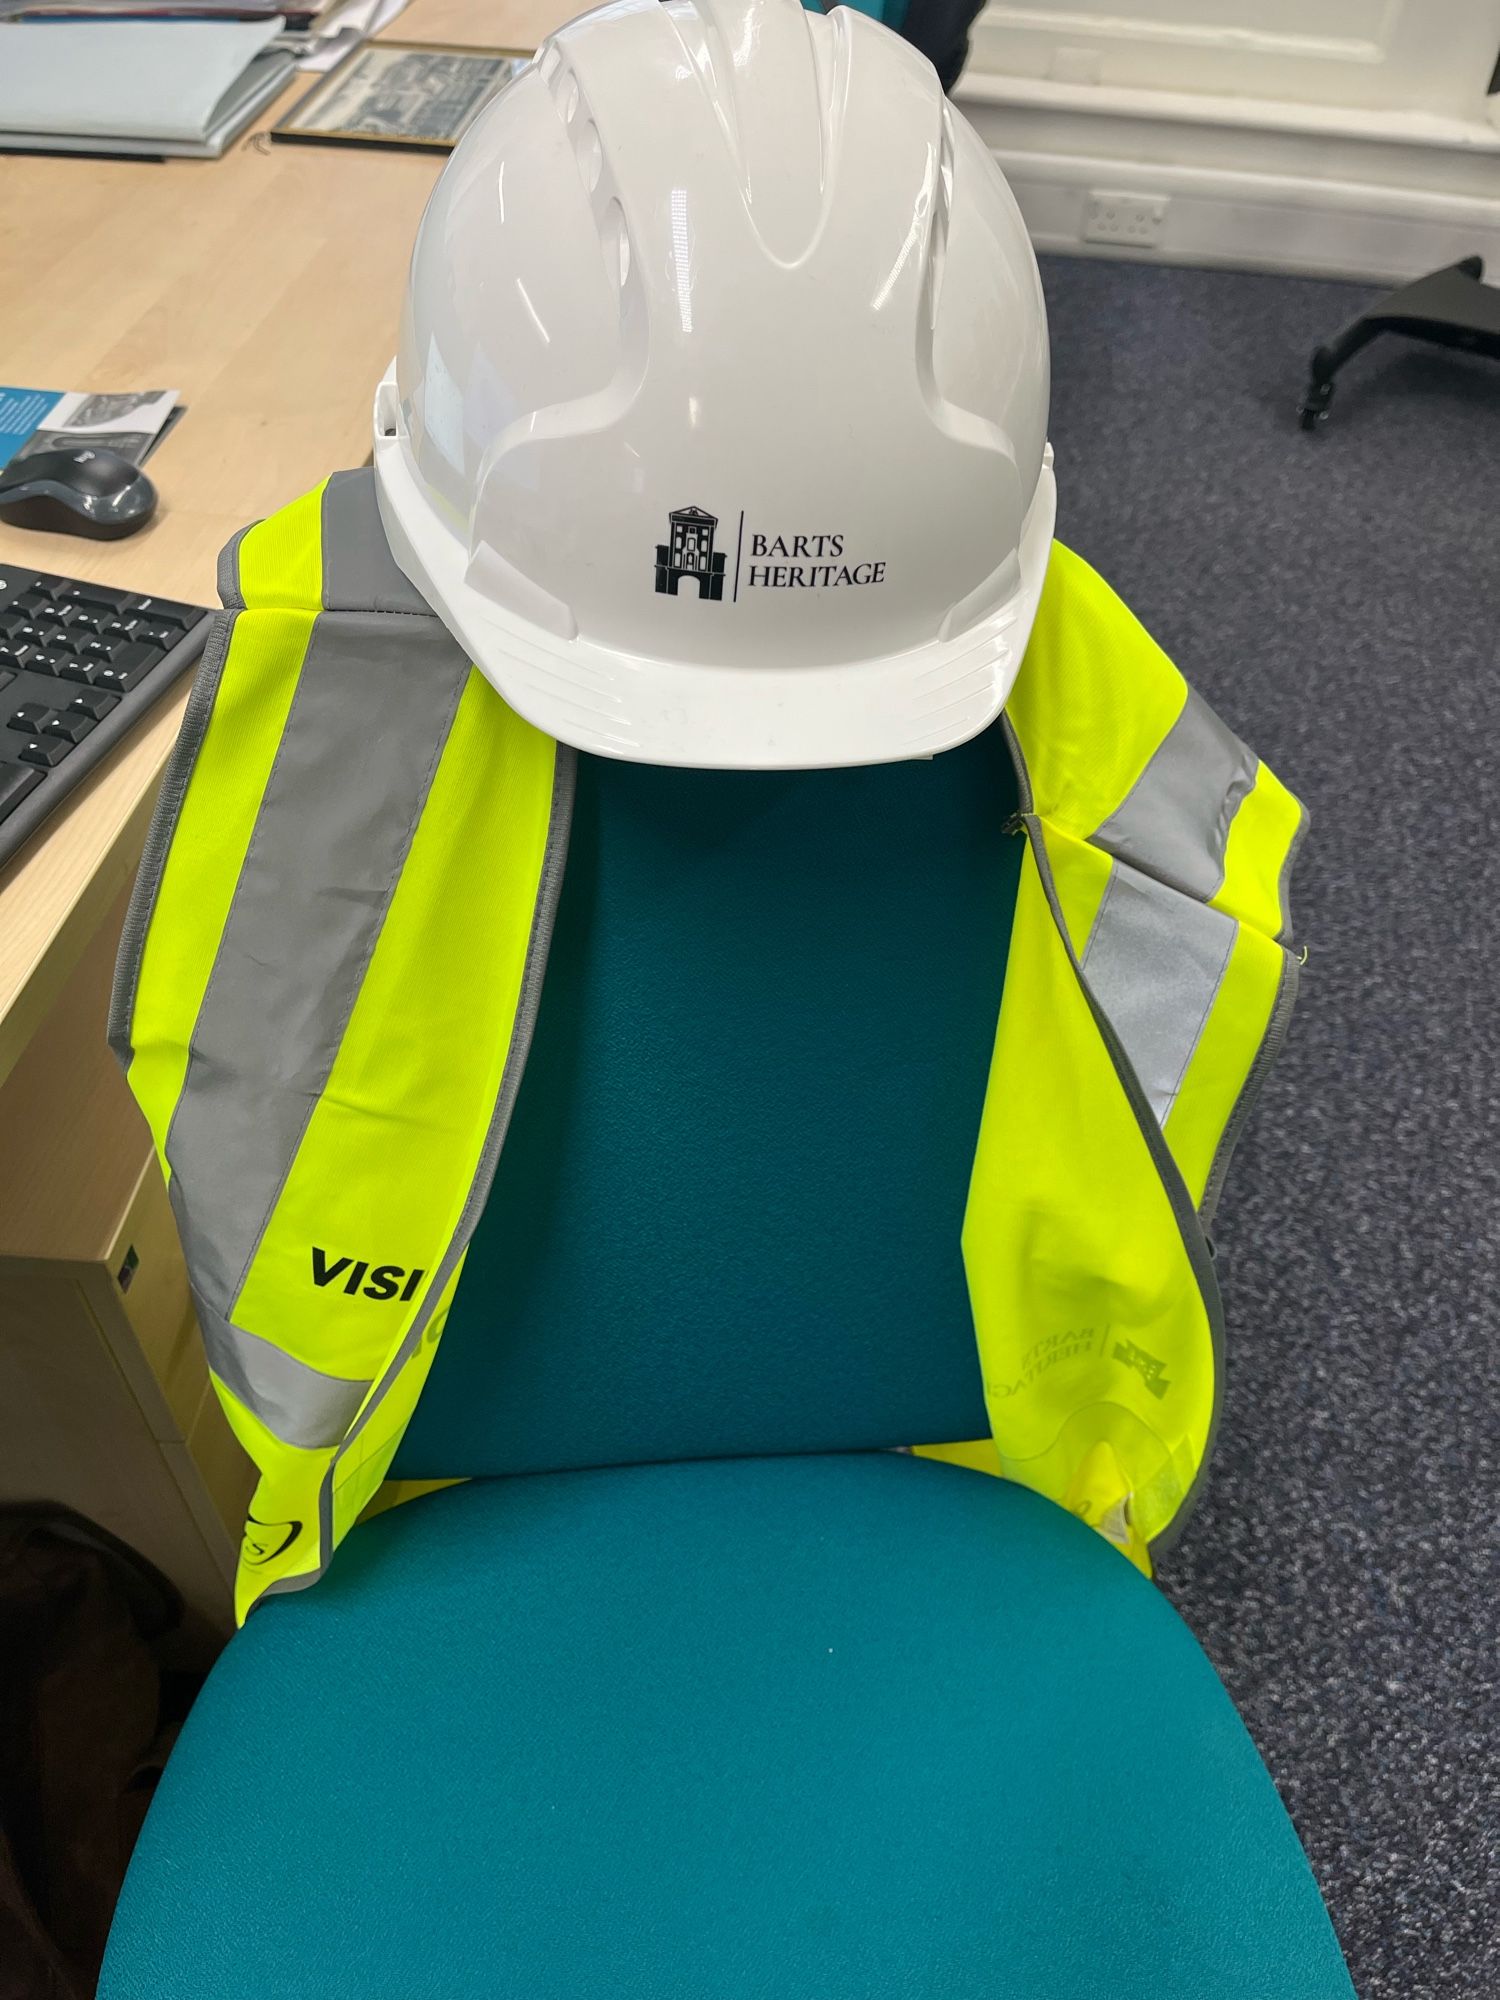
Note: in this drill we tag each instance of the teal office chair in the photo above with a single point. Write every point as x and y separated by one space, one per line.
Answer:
698 1688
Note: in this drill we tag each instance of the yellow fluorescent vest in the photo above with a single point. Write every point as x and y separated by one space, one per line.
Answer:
332 963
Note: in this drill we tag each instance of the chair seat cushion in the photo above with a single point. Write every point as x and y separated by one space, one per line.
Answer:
797 1729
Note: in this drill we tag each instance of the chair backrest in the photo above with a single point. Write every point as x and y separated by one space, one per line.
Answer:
726 1219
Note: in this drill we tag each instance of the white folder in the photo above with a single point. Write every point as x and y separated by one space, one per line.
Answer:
152 87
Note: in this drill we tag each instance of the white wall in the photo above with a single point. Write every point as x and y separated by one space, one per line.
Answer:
1410 55
1352 137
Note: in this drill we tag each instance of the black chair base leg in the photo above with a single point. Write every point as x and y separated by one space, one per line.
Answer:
1449 308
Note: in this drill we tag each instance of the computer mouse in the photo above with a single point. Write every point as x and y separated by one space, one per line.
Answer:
83 490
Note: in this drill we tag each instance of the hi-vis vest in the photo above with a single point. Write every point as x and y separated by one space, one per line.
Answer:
333 959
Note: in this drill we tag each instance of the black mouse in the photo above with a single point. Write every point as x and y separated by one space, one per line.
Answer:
84 490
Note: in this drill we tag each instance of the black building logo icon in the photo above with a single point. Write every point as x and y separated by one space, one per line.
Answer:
690 553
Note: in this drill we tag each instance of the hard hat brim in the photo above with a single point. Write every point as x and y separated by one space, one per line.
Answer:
912 704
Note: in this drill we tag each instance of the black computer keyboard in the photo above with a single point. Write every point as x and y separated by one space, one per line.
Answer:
79 665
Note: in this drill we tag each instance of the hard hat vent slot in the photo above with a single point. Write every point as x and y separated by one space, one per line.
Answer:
617 243
590 152
563 85
387 408
942 208
567 95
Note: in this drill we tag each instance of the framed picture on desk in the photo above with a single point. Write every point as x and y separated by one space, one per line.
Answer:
418 94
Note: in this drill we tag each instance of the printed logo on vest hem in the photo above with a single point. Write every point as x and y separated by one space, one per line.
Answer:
266 1540
1151 1371
372 1281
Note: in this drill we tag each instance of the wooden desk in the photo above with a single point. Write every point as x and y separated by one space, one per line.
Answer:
266 287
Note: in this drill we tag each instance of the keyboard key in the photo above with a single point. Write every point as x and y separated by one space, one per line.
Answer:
29 717
71 728
68 669
95 704
127 670
51 616
124 627
162 611
164 637
27 635
45 751
87 621
99 652
92 593
14 786
13 657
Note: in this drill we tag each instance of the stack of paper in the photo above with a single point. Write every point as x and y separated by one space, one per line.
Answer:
299 14
152 87
341 29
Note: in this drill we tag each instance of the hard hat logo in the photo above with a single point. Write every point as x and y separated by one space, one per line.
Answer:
688 554
776 561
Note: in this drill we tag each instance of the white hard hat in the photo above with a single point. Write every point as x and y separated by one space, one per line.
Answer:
717 433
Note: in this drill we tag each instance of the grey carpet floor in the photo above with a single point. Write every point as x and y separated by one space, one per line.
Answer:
1337 598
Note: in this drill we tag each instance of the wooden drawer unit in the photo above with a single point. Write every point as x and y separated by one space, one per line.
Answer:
105 1401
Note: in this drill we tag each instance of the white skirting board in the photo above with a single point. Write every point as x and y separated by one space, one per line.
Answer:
1276 187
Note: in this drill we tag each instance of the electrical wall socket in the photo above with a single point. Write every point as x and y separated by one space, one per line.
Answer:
1123 218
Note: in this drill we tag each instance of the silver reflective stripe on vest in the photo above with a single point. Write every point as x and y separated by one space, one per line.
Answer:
1154 962
367 725
1175 822
538 947
174 784
359 571
296 1403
